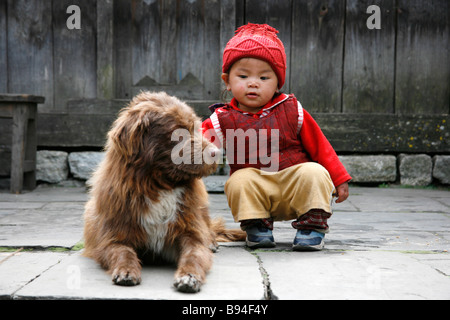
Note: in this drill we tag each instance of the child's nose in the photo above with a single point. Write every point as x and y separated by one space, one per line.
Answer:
253 84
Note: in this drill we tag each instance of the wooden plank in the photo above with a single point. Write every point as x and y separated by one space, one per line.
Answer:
96 106
8 102
191 42
122 49
229 19
317 46
386 133
146 40
11 97
188 88
74 130
19 141
5 162
29 165
423 61
105 49
6 110
30 50
240 6
5 146
212 63
168 53
5 133
3 48
278 15
228 22
356 133
74 53
201 107
369 59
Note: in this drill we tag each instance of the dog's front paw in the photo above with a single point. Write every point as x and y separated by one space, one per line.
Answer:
214 247
126 277
187 283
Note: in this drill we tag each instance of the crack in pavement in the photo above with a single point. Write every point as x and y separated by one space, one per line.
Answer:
268 293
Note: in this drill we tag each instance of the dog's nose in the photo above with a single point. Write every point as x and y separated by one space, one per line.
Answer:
214 151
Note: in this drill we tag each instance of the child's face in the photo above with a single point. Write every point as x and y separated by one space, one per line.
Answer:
252 82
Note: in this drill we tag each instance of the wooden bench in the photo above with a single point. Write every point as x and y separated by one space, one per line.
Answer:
22 108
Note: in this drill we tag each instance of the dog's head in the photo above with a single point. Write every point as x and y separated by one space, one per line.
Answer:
158 134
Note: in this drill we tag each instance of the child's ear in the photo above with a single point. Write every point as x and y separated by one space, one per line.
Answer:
225 78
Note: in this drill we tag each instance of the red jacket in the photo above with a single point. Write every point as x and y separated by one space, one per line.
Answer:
300 139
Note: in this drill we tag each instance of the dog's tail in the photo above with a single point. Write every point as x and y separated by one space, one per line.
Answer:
226 235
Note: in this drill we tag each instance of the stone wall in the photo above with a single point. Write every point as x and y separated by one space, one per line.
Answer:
406 169
58 166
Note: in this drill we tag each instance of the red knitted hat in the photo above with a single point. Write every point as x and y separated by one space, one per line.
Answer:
258 41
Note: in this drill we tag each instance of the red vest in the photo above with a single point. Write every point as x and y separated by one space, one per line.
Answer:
257 144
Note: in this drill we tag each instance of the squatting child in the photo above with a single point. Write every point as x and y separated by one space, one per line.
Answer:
261 123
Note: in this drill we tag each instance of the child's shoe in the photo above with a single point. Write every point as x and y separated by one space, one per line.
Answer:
308 240
259 237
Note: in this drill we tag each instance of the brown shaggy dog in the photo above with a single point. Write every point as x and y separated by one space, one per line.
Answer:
144 205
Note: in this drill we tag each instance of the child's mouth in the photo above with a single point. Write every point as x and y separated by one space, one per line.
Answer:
252 95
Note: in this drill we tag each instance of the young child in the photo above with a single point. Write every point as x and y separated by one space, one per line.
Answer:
305 170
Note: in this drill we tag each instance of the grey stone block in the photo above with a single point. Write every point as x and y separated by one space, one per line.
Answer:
415 170
83 164
371 168
441 170
215 184
51 166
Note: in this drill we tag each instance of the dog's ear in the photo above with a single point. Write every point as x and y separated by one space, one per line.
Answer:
126 134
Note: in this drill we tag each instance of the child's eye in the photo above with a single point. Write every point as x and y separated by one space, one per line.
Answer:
264 78
242 76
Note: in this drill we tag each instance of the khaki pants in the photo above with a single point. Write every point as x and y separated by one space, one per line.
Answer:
284 195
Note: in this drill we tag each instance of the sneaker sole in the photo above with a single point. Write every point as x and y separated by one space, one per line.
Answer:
262 244
300 247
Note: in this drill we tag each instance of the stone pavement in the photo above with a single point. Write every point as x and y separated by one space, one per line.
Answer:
390 243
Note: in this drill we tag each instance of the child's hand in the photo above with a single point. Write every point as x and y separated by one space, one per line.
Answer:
342 192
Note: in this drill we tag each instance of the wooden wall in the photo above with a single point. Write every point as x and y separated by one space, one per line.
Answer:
383 90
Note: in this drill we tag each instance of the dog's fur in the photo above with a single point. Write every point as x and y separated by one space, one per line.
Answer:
143 205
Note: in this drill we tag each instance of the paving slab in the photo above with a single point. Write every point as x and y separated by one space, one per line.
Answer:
355 275
46 217
44 193
398 200
41 228
383 244
78 277
20 269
